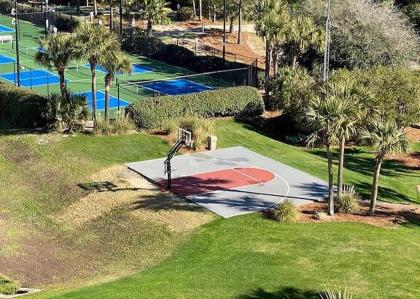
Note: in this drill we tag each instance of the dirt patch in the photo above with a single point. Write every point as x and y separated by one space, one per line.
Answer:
413 134
386 215
118 187
20 152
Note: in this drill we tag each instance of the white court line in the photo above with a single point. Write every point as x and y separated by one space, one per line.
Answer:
252 178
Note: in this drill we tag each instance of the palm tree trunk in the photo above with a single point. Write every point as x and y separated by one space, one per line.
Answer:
267 68
341 167
200 8
375 185
107 87
240 21
111 15
214 13
62 84
149 27
194 9
231 25
78 7
330 182
93 72
95 8
294 61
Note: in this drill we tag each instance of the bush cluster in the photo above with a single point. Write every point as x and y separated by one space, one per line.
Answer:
185 13
156 113
67 24
21 108
285 212
200 128
8 286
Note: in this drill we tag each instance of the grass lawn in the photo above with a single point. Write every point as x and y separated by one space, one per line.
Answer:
251 257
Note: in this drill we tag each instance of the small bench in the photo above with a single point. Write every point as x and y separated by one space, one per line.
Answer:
6 38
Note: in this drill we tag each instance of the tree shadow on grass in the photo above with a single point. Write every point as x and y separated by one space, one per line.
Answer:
286 293
384 193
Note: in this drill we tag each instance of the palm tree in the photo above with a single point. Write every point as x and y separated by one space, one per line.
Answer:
302 34
95 7
96 43
387 138
351 114
115 63
57 51
324 116
271 21
155 11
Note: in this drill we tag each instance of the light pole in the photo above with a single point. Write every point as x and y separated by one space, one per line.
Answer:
224 31
326 73
15 14
121 20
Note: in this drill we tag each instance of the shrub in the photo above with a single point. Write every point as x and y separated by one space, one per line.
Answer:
73 111
120 125
348 202
65 23
366 34
285 212
329 293
8 286
200 128
185 13
156 113
21 107
176 55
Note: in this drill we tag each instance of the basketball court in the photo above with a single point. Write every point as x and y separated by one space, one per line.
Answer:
233 181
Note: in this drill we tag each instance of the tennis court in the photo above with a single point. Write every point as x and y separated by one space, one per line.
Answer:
234 181
176 87
6 29
6 59
135 69
31 78
114 102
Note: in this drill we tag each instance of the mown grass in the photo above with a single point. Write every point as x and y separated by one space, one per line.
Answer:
252 257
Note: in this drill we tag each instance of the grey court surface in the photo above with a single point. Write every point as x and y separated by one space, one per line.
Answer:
234 181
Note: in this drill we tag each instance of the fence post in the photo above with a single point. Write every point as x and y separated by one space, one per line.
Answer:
118 94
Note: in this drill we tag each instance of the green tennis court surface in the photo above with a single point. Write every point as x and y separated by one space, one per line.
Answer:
148 77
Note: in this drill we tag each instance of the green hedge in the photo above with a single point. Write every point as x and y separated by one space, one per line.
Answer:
21 107
155 113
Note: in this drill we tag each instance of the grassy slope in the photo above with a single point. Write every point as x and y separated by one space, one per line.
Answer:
256 258
249 257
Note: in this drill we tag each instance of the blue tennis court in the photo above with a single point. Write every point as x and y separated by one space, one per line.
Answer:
176 87
6 29
32 78
6 59
136 69
100 100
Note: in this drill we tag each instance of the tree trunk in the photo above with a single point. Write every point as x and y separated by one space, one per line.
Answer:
107 87
239 21
330 182
111 15
95 8
62 84
267 69
78 7
194 9
214 13
375 184
231 25
149 27
200 8
93 72
341 167
294 61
